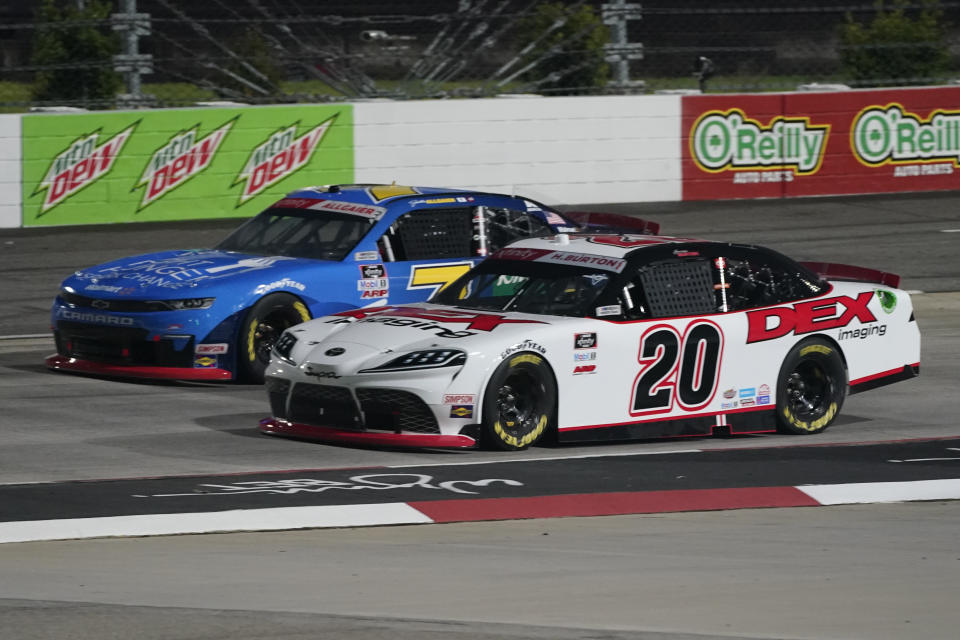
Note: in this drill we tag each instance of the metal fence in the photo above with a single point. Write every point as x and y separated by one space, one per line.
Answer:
164 53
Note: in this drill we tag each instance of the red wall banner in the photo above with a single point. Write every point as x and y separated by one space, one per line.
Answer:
805 144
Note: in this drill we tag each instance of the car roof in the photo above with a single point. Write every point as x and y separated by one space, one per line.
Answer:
376 194
611 245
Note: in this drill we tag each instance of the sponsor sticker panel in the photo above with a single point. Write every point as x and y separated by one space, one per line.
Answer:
178 164
802 144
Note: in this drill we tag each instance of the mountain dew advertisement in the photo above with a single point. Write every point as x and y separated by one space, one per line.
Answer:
145 166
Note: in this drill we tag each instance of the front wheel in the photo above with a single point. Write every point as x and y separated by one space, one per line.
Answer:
264 323
811 387
519 402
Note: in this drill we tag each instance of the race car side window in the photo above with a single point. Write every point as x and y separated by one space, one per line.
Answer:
429 234
681 287
499 226
746 283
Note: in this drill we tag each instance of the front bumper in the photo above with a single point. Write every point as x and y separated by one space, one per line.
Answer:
274 426
380 415
76 365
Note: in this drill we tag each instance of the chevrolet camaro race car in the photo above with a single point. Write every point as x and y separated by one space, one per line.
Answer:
214 314
599 337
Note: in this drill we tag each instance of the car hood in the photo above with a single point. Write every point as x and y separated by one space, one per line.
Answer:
189 272
361 333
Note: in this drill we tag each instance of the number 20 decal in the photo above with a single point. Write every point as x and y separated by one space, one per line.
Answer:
685 369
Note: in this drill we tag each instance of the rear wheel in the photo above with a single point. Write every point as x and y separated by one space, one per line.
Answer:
811 387
519 402
264 323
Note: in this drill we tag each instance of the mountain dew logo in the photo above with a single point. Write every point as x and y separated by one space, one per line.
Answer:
80 165
279 157
729 140
181 158
891 134
888 300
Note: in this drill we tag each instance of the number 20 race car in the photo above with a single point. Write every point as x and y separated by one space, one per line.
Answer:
214 314
599 337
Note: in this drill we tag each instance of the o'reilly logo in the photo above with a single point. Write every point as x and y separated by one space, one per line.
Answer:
891 134
181 158
80 165
280 156
728 140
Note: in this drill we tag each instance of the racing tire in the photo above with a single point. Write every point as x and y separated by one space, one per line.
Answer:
262 326
519 403
811 387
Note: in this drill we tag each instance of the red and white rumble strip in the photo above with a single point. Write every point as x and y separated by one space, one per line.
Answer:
439 511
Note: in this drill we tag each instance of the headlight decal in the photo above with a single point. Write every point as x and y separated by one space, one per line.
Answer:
425 359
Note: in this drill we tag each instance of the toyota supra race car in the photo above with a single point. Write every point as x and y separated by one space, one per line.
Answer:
599 337
214 314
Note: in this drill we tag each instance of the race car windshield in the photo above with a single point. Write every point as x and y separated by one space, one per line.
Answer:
508 285
299 234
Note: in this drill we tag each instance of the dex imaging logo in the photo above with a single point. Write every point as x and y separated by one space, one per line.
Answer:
729 140
280 156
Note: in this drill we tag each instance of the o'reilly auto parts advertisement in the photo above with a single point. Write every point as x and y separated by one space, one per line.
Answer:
178 164
802 144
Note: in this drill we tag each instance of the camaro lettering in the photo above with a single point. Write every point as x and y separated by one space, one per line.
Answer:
68 314
807 317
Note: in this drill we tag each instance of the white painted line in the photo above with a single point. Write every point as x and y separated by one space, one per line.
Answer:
28 336
548 458
950 231
361 515
868 492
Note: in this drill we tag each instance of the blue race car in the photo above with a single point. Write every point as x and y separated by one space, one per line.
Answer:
214 314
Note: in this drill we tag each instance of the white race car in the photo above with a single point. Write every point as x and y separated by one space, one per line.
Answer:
599 337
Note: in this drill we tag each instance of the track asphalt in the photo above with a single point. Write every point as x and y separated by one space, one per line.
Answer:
687 479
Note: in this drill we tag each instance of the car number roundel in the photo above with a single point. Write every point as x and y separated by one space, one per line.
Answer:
677 369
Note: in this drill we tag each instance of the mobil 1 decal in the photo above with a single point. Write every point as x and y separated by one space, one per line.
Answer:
182 157
83 162
678 366
283 153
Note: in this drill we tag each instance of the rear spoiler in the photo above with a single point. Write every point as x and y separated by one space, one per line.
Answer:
615 222
836 271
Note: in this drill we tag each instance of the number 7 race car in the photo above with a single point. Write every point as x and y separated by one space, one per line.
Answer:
599 337
214 314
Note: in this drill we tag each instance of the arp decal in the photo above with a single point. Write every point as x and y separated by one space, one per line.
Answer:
80 165
729 140
673 369
807 317
436 276
181 158
279 157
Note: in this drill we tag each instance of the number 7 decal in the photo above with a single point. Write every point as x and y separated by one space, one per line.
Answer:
673 368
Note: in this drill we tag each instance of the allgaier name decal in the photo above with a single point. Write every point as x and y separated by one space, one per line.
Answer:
783 148
914 145
80 165
181 158
279 157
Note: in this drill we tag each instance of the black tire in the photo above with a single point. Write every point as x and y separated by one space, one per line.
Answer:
519 403
811 387
263 324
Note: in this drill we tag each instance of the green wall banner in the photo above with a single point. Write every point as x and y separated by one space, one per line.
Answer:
179 164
